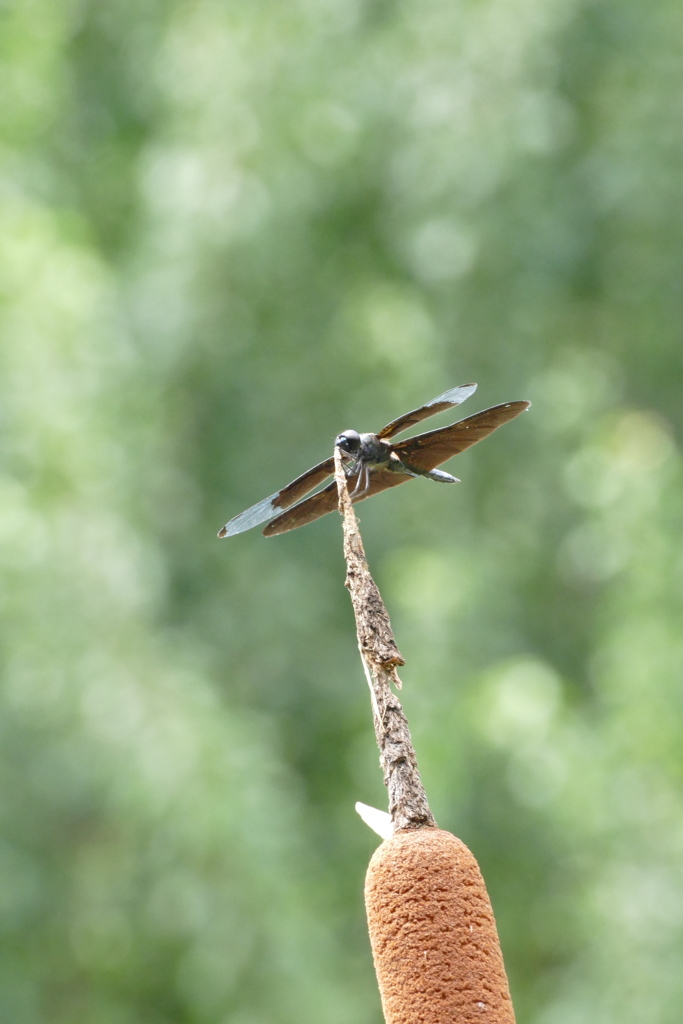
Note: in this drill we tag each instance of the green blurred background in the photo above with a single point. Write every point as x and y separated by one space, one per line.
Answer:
229 230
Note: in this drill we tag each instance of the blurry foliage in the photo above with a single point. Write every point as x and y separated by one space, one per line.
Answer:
228 231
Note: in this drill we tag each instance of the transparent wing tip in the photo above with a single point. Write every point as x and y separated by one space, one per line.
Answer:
251 517
456 395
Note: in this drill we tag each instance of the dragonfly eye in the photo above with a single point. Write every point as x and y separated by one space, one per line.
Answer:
349 442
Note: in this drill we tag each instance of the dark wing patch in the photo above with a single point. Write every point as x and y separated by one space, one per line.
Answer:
326 501
439 404
305 512
305 483
426 451
269 507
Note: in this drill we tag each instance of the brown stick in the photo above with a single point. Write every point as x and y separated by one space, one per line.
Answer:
380 655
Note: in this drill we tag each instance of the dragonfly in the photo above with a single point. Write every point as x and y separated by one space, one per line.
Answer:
373 463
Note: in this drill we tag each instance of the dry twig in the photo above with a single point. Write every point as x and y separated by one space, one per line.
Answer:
380 655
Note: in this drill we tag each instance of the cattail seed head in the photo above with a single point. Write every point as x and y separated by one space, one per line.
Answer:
433 935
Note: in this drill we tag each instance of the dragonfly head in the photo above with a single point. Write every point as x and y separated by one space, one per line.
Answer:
349 442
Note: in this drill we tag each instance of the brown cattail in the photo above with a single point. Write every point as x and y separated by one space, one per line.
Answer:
433 934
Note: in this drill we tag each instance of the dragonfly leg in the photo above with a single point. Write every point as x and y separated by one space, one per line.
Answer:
363 481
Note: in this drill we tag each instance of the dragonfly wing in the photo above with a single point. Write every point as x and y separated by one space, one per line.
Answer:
439 404
305 483
269 507
251 517
326 501
305 512
436 446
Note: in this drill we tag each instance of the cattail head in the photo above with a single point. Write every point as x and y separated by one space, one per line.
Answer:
433 934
